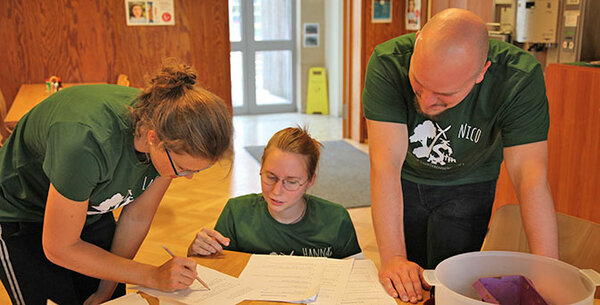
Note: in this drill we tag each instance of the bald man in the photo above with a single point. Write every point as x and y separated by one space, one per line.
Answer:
443 108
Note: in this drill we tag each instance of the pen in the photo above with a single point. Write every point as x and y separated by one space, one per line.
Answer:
197 277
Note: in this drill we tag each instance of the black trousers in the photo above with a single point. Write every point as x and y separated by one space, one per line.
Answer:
30 278
443 221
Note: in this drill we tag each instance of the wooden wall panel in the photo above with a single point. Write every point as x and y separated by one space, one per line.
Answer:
573 142
89 41
377 33
483 8
574 139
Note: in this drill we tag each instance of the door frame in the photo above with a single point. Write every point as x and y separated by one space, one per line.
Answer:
248 46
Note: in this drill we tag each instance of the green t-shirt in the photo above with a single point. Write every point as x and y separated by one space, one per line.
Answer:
326 229
509 107
80 139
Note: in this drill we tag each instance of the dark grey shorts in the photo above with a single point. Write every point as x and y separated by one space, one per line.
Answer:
30 278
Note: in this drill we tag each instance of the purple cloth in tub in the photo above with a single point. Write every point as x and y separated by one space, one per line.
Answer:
508 290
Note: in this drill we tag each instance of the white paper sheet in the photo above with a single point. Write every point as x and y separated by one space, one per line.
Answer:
224 289
333 284
363 286
293 279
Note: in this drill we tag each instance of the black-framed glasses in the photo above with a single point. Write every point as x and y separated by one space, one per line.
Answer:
288 184
184 173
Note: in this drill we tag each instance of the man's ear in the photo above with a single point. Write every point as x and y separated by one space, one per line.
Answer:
482 74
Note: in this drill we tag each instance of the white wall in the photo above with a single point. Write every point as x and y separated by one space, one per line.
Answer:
310 11
329 54
334 53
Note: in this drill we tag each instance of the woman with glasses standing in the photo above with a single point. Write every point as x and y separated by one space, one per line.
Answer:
80 154
283 219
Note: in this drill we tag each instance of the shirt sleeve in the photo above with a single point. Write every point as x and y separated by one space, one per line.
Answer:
526 118
226 226
72 160
350 247
382 99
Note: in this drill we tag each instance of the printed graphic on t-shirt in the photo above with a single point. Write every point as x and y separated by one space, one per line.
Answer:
435 145
114 202
117 200
314 252
317 252
281 253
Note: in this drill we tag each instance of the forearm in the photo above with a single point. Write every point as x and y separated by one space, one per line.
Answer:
387 150
127 240
136 218
133 226
129 235
527 167
388 213
539 218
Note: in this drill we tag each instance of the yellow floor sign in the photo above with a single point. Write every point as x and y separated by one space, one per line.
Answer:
317 100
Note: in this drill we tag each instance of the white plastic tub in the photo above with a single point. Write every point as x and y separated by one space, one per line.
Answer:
557 282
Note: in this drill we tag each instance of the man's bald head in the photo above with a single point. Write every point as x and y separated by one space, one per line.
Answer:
455 36
449 58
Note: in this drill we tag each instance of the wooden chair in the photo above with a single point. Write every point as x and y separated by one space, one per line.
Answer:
122 80
578 239
4 130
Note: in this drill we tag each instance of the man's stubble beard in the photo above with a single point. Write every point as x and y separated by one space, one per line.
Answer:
434 117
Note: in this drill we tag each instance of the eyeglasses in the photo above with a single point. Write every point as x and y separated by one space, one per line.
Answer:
184 173
288 184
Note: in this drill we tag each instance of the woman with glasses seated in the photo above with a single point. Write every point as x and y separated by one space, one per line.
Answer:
80 154
283 219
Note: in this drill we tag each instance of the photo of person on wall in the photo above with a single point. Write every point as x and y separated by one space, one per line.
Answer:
413 14
137 12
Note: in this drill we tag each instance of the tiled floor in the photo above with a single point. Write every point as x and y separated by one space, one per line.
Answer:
258 129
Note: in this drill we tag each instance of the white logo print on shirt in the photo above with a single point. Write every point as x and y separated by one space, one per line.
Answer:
314 252
117 200
114 202
438 151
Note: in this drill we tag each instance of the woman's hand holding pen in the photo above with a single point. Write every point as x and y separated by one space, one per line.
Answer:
177 273
207 242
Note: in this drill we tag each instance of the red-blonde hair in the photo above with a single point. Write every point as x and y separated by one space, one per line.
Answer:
296 140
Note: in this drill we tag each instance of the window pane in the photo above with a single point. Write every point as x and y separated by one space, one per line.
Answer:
273 77
272 20
235 18
237 79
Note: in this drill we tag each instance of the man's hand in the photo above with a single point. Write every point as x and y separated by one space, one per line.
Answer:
403 278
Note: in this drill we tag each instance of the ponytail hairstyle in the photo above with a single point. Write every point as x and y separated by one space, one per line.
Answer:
296 140
186 118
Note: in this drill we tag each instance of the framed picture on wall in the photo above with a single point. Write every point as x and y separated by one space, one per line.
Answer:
311 35
413 15
382 11
156 12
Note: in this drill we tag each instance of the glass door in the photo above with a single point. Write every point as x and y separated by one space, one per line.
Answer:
262 56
